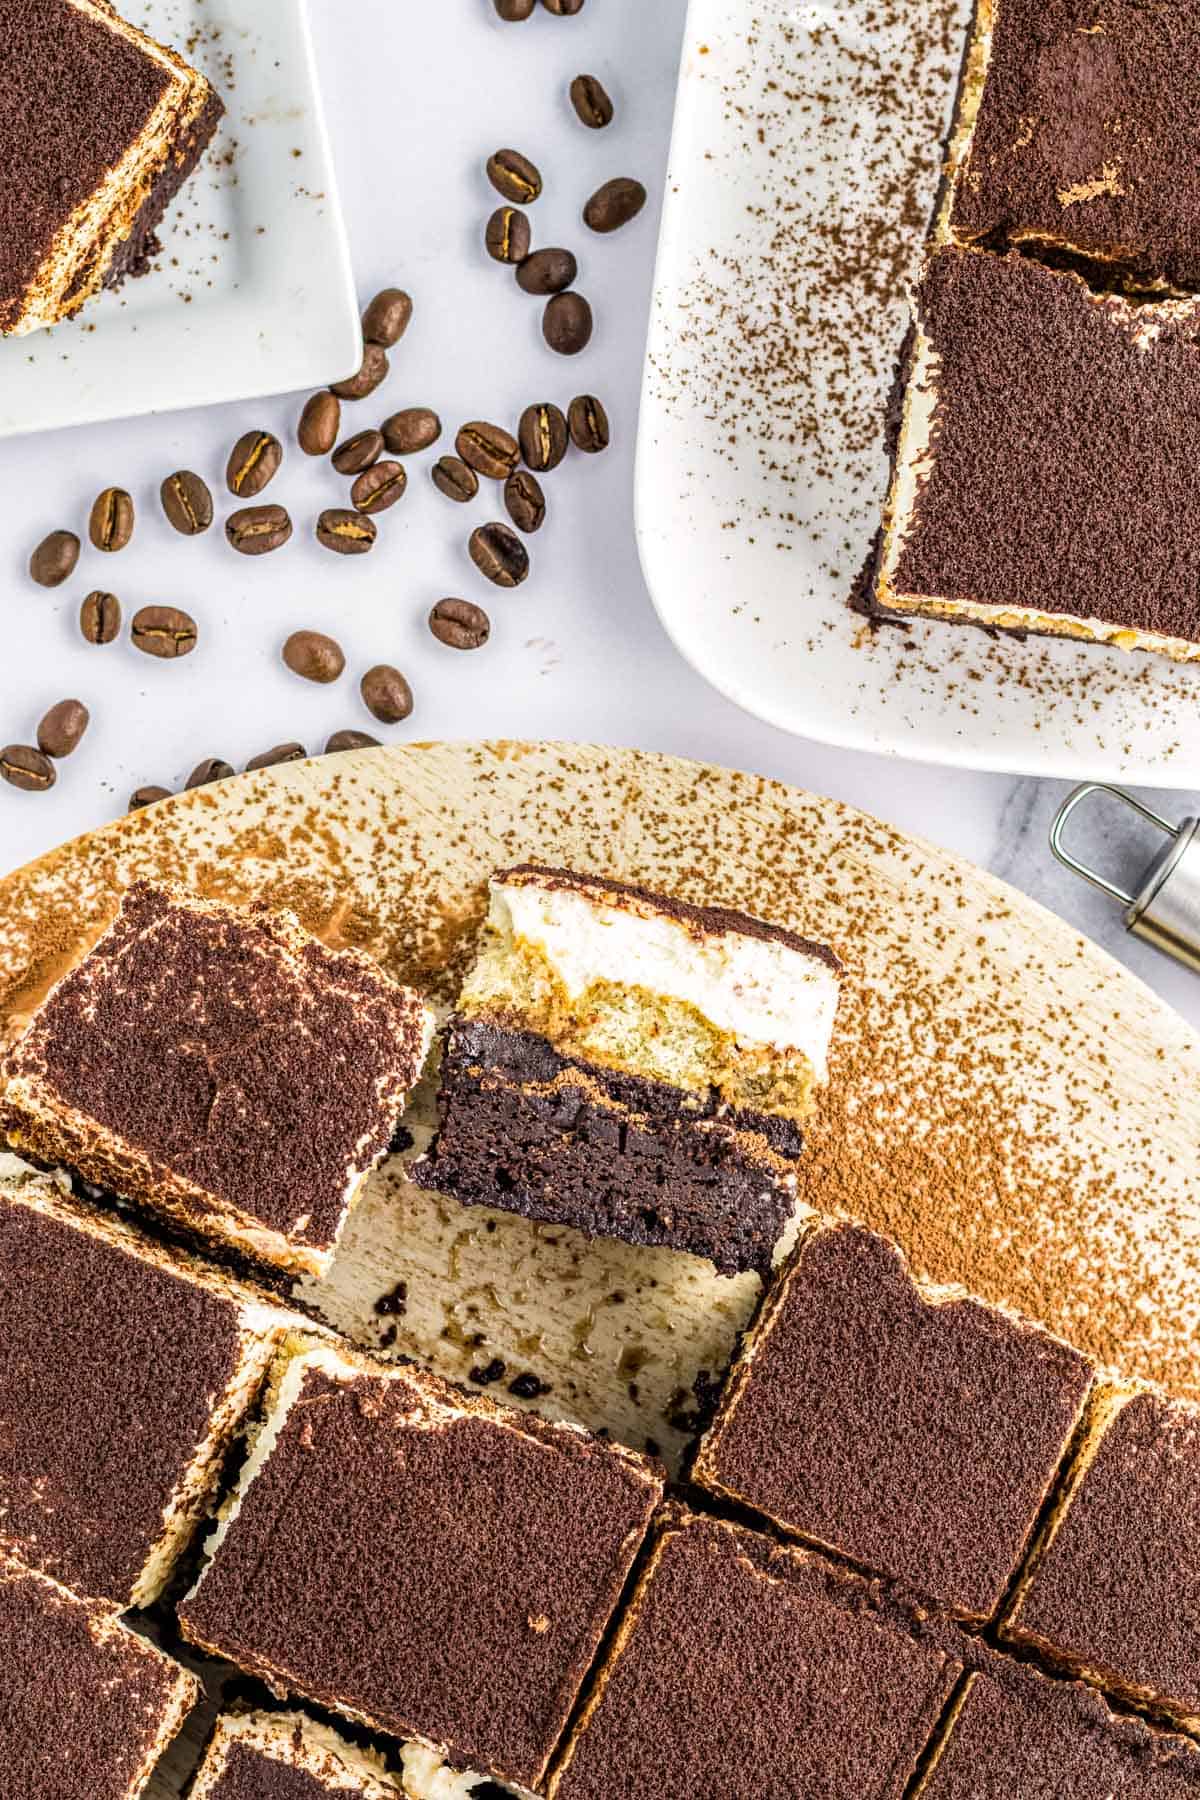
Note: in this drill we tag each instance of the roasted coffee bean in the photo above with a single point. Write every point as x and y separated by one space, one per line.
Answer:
320 423
386 694
54 559
146 796
386 318
488 449
513 11
460 624
507 236
547 272
525 500
187 502
614 204
358 452
498 553
567 323
253 462
256 530
592 105
313 656
452 477
24 767
589 424
367 377
213 768
543 435
379 487
62 728
414 428
350 740
563 9
163 631
282 753
100 617
514 176
346 532
110 525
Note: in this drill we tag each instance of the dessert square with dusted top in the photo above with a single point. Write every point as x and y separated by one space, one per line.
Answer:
285 1756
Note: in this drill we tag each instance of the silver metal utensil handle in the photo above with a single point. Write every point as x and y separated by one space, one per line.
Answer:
1165 910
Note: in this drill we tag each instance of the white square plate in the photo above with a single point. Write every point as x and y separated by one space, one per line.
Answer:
804 164
252 293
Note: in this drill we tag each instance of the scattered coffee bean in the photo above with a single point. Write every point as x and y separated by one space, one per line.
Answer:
163 631
313 656
367 377
282 753
514 176
507 236
54 559
498 553
358 452
589 424
146 796
256 530
386 694
213 768
350 740
253 462
100 617
563 9
110 525
452 477
349 533
525 500
590 99
513 11
567 323
24 767
543 435
62 728
414 428
614 204
320 423
547 272
460 624
386 318
379 487
488 449
187 502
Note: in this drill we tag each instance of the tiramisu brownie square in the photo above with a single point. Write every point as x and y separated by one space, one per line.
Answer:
1112 1590
428 1563
1045 478
633 1066
911 1429
124 1373
222 1067
99 128
284 1756
741 1668
86 1706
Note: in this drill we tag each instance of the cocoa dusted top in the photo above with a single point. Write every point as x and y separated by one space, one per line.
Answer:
249 1776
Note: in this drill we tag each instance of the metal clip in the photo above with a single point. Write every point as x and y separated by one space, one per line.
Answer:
1165 910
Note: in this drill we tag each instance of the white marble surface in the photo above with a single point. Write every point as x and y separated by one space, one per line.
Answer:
418 94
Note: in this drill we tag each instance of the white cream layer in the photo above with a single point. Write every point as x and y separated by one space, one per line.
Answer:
295 1742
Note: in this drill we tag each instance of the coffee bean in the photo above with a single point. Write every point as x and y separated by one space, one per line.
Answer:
507 236
282 753
592 105
163 631
146 796
110 525
320 423
563 9
386 694
513 11
24 767
213 768
100 617
350 740
253 462
543 435
379 487
452 477
313 656
346 532
547 272
256 530
514 176
54 559
187 502
358 452
567 323
498 553
367 377
525 500
414 428
62 728
614 204
589 424
488 449
460 624
386 318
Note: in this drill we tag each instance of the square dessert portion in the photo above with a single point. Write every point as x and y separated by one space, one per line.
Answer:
100 127
223 1068
125 1371
1112 1589
633 1066
910 1429
284 1756
86 1706
1045 476
425 1562
744 1668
